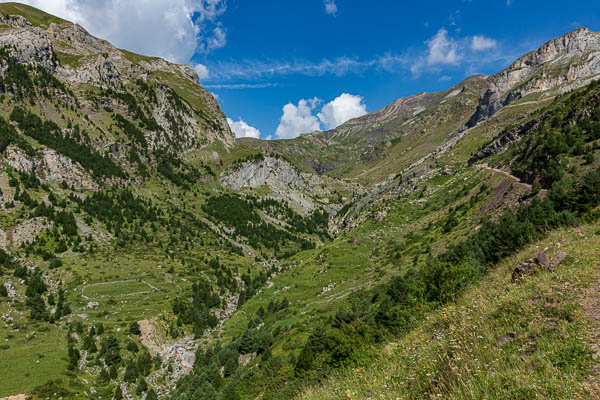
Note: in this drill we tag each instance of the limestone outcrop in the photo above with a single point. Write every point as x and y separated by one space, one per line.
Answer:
569 61
51 166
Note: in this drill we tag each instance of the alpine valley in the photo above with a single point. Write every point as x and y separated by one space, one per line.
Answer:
444 246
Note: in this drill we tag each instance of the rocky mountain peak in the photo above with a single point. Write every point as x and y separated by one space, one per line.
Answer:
76 57
568 61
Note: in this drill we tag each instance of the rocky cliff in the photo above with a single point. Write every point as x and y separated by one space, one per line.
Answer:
571 60
283 179
77 58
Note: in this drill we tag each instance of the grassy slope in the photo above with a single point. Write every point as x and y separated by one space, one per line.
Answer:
455 354
35 16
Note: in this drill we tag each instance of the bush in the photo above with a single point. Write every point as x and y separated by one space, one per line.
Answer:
55 263
134 328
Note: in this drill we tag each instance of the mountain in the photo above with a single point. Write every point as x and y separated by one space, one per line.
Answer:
443 246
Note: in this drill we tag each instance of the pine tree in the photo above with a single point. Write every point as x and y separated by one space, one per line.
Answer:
110 350
229 393
74 357
142 386
144 364
131 373
247 342
305 360
113 372
134 328
103 378
151 395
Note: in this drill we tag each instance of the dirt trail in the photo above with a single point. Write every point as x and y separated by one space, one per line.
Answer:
532 102
485 166
591 307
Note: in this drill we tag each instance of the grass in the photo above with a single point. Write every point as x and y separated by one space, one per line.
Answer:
137 58
35 16
186 89
71 60
32 357
456 353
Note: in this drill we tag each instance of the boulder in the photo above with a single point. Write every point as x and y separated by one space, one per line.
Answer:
558 259
534 265
543 259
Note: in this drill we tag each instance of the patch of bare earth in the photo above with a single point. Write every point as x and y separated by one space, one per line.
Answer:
21 396
148 337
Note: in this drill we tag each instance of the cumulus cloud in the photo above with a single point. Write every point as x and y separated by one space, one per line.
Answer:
297 119
300 118
242 129
330 7
480 43
341 109
172 29
202 71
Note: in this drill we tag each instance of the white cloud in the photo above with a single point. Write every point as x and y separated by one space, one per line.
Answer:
446 52
442 49
481 42
240 86
298 119
172 29
216 41
330 7
202 71
342 66
341 109
242 129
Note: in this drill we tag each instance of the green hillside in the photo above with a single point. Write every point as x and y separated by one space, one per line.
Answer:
147 253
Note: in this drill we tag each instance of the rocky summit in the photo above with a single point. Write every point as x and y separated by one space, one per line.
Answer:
444 246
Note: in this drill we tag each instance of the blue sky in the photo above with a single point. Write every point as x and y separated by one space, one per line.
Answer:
280 68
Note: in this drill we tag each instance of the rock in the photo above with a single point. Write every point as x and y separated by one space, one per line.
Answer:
526 268
381 215
27 230
51 166
533 266
542 259
3 240
93 304
285 181
29 45
506 339
244 359
99 63
10 289
560 257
